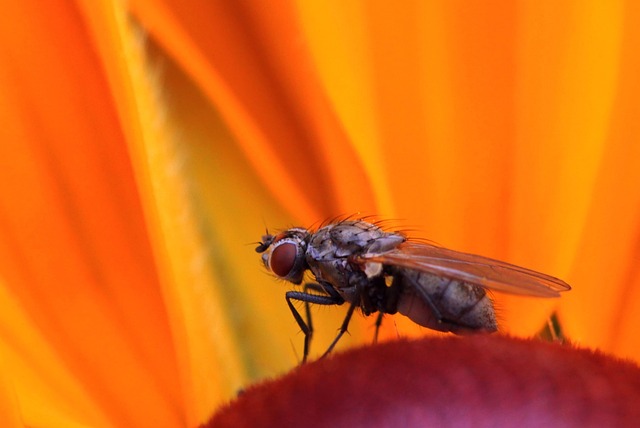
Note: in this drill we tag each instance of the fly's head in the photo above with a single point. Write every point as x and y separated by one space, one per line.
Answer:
284 253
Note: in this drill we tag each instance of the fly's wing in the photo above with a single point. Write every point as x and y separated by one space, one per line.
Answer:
470 268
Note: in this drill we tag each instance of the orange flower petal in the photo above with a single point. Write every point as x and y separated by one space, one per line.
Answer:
75 257
251 64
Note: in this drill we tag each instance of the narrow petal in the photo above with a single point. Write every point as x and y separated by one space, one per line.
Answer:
256 66
88 337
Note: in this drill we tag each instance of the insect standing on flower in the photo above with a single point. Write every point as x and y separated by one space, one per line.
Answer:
357 262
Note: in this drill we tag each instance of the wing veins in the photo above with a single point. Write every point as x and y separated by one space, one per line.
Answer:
478 270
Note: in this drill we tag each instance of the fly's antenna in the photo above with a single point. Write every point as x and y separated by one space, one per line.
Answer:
267 240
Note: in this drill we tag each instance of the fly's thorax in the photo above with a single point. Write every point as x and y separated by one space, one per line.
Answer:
444 304
351 238
331 249
337 272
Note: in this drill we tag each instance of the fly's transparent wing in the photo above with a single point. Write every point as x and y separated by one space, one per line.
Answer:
470 268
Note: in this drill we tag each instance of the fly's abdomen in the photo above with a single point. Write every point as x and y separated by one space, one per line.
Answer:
443 304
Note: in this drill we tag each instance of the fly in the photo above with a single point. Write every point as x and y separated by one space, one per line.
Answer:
359 263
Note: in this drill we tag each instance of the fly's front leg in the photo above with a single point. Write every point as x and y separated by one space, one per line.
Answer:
307 307
308 298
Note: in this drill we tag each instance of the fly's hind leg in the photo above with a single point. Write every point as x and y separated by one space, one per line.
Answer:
378 324
397 285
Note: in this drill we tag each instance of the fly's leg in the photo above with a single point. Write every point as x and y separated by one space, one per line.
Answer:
307 307
396 286
436 312
307 298
378 324
343 329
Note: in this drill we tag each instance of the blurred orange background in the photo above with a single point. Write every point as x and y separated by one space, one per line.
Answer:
147 145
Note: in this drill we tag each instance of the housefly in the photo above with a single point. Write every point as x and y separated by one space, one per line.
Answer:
359 263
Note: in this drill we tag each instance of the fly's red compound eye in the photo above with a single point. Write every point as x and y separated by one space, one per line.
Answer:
283 258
